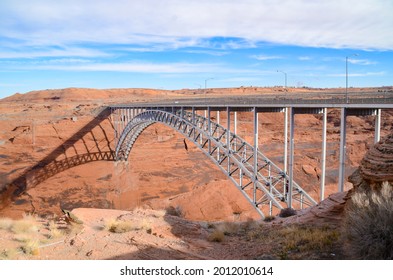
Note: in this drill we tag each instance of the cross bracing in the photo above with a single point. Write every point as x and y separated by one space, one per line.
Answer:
261 181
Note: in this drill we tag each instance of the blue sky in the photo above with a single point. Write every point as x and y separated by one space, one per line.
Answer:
176 44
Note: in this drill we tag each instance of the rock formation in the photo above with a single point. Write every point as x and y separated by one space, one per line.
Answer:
377 164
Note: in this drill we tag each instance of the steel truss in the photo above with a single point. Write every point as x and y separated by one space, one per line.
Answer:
261 182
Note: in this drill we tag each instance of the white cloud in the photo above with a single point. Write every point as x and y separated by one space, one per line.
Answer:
209 52
136 67
30 52
365 24
304 58
266 57
362 61
239 79
366 74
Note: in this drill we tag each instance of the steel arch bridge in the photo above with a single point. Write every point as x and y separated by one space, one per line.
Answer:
261 181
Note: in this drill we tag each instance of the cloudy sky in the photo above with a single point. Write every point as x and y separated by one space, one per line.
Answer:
174 44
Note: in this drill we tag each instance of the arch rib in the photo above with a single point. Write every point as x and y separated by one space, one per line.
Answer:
234 156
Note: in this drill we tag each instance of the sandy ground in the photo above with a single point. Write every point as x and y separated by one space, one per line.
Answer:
146 234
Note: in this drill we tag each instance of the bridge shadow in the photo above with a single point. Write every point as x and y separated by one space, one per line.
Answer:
73 152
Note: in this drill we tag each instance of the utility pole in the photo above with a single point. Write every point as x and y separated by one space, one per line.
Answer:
285 74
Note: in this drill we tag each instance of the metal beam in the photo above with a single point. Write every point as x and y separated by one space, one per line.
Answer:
228 138
307 110
235 124
255 118
291 154
343 148
377 135
285 146
193 121
323 156
209 128
235 130
218 122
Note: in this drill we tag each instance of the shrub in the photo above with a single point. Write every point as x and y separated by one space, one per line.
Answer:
216 236
303 238
119 226
145 224
54 231
26 225
269 218
6 223
228 228
175 211
31 247
368 223
22 237
287 212
8 254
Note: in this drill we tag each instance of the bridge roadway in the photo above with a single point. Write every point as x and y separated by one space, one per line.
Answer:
330 100
242 162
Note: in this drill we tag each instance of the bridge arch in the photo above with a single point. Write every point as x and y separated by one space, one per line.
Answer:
260 181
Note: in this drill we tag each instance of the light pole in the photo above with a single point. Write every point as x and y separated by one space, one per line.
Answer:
206 85
285 74
207 80
346 75
199 89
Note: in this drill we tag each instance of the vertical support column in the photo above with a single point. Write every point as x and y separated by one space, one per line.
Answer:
255 154
343 148
285 148
218 131
181 127
235 130
121 120
193 122
377 135
235 123
113 116
323 157
291 154
209 129
228 138
117 125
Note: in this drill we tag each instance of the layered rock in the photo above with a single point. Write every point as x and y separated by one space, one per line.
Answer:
377 164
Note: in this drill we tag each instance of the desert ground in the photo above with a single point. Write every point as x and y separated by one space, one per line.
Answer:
166 202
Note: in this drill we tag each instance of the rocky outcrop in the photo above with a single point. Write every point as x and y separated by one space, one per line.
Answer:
327 212
367 226
377 164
